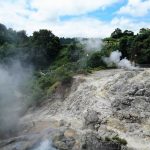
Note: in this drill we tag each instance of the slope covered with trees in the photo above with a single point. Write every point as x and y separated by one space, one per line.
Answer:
56 59
134 47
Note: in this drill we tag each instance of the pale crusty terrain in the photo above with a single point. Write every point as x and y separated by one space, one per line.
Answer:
108 103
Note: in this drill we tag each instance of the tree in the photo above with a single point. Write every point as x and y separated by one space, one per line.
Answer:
3 31
128 33
125 46
2 28
22 36
96 60
144 31
117 33
74 52
44 48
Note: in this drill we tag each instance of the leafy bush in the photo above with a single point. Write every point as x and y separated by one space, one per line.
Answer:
45 82
107 139
75 52
36 96
67 79
96 60
120 140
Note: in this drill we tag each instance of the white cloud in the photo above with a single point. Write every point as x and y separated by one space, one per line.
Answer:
87 27
129 24
82 27
16 15
48 9
47 15
95 28
13 13
137 8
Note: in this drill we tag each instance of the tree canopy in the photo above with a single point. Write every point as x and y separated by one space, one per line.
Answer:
43 47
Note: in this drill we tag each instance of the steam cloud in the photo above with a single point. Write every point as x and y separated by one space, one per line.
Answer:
115 58
92 44
45 145
95 44
12 103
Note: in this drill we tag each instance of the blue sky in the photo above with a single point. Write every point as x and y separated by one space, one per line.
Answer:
76 18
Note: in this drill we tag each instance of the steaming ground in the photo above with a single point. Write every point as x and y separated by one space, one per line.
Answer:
12 103
91 45
119 97
45 145
115 59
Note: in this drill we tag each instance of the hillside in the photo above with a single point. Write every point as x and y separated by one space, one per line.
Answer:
66 93
93 109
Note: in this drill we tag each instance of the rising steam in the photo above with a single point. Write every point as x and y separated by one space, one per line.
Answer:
45 145
12 102
115 59
92 44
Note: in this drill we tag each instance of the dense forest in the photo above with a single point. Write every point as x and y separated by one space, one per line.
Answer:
55 60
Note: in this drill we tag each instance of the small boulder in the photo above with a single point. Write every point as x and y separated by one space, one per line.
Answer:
91 119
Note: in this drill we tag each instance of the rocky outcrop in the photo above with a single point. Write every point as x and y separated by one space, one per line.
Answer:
97 112
71 140
92 120
132 104
61 139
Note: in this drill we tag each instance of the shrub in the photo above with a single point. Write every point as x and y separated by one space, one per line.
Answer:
45 82
67 79
96 60
107 139
120 140
84 71
36 96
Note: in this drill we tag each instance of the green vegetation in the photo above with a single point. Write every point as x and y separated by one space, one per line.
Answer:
55 60
134 47
107 139
119 140
116 139
96 60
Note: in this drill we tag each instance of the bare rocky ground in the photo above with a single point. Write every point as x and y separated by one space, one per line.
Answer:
90 114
